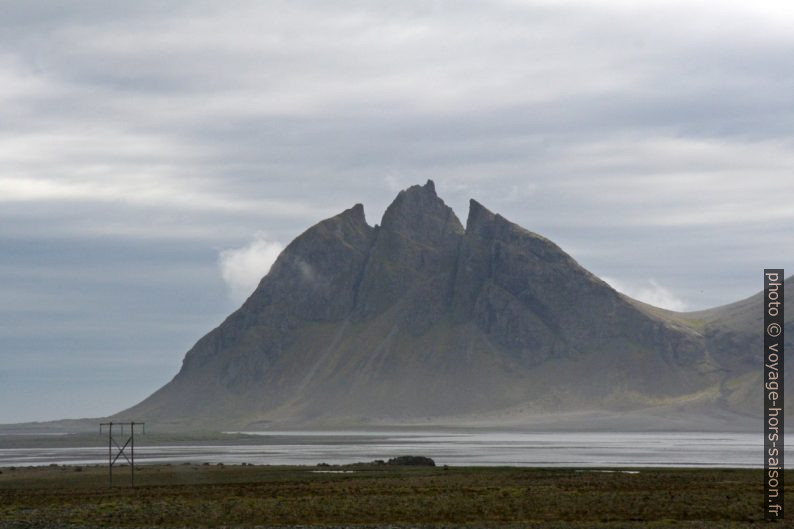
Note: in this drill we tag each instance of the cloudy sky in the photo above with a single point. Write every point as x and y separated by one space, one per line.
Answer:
155 157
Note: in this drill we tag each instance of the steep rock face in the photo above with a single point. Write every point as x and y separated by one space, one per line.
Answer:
412 259
525 292
314 279
420 318
538 304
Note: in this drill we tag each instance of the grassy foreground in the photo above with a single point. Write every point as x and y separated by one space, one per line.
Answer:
215 496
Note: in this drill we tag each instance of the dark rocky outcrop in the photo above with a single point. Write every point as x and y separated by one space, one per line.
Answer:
411 461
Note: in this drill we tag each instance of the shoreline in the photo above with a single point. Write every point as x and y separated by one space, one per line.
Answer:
533 449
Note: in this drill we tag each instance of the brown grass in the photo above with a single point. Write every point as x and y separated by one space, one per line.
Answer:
214 496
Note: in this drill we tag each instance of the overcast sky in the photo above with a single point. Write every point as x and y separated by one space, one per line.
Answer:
155 157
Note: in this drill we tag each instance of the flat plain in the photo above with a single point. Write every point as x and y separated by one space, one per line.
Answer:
371 495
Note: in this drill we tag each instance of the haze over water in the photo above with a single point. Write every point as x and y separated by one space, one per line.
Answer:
566 449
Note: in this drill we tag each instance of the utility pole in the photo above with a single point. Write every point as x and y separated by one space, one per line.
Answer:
121 449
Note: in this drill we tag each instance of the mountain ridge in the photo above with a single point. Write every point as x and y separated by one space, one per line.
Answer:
422 319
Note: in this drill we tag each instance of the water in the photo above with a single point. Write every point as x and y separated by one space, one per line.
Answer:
568 449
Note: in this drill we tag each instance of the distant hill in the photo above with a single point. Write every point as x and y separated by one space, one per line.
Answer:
422 321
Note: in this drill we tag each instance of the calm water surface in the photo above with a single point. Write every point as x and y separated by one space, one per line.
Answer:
688 449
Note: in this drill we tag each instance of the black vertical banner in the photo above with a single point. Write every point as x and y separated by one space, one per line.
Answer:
773 394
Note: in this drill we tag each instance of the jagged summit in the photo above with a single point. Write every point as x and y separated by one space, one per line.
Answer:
357 212
478 215
420 212
419 319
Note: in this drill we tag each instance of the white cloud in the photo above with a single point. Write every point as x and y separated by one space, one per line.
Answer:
652 293
243 268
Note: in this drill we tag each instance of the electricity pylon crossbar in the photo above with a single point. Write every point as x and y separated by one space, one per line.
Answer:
121 449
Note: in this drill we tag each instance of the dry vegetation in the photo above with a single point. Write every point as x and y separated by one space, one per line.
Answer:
215 496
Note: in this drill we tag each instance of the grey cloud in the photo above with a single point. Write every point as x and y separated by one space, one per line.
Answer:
140 139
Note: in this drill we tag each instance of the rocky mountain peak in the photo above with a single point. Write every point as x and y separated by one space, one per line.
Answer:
479 218
418 213
430 186
356 214
486 225
420 318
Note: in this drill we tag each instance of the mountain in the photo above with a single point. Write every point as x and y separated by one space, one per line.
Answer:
421 319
